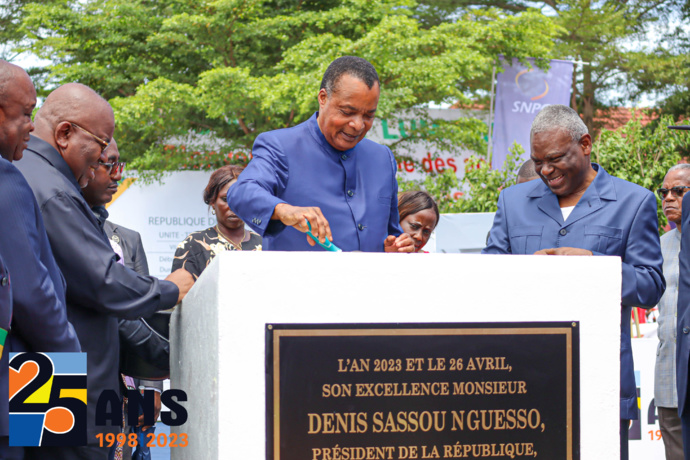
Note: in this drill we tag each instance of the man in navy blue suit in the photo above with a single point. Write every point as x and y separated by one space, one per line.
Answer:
579 209
683 324
39 319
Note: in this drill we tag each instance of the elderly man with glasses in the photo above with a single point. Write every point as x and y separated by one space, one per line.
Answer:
676 183
73 129
579 209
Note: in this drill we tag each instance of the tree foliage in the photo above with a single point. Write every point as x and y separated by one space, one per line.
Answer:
235 68
11 14
642 155
665 72
605 38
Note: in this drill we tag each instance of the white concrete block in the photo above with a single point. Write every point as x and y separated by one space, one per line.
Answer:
218 335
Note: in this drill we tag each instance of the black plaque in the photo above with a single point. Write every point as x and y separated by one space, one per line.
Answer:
420 391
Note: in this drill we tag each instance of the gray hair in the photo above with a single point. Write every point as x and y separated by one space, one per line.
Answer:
681 167
559 116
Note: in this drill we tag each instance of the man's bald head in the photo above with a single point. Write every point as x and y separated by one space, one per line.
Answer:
72 102
8 72
79 123
17 102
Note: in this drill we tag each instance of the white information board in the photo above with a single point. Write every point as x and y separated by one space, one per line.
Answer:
645 436
164 213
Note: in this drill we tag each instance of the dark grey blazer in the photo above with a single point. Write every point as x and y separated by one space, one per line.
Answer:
134 257
132 247
99 290
683 324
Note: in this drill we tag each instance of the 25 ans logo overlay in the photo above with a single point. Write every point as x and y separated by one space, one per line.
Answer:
47 399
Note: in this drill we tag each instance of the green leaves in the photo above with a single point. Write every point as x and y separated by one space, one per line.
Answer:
641 154
227 70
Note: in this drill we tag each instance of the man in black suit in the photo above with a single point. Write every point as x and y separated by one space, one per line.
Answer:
74 127
127 244
39 316
683 324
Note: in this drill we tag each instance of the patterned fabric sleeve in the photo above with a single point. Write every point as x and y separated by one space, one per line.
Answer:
190 256
199 248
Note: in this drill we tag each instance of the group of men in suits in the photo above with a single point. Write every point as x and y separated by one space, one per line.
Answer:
36 313
67 287
576 208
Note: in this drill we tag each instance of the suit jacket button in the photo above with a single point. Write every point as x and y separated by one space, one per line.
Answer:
343 156
563 232
4 281
360 226
350 193
258 221
686 330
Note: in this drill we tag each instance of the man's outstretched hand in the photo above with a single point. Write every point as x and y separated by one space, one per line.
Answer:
296 217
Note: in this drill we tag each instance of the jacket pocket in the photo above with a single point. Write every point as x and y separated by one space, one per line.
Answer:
603 239
384 200
525 239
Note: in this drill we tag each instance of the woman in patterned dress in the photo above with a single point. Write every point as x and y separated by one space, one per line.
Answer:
229 234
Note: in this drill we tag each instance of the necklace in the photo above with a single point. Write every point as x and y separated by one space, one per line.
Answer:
237 246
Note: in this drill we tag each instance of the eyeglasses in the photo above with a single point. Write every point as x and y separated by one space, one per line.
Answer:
677 191
114 168
104 145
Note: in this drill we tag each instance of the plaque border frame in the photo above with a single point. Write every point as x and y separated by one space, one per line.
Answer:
274 332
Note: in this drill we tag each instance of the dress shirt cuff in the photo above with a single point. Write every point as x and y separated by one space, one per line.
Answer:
152 385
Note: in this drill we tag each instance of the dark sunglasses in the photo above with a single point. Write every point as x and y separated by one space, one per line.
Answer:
114 168
677 191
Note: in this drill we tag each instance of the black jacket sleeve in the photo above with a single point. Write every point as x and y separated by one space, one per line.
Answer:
94 278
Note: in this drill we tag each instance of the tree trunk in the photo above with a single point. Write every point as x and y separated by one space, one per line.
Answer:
588 98
573 91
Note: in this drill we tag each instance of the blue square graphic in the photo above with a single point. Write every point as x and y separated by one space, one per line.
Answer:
26 429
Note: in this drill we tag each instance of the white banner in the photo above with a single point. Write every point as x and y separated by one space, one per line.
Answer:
164 213
390 131
645 437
